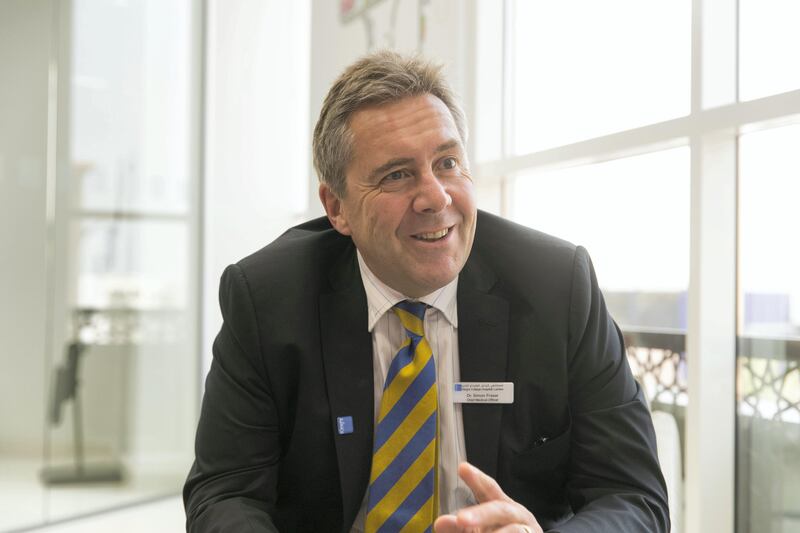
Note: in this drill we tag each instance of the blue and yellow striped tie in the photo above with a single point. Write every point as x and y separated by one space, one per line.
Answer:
403 488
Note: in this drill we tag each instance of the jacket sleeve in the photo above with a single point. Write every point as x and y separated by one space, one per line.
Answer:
614 482
232 484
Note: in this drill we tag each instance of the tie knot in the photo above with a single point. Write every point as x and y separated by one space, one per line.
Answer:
415 308
412 316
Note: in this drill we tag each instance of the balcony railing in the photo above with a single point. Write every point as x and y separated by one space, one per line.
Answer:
768 372
658 360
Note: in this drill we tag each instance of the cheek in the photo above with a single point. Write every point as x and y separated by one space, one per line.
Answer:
465 205
384 219
465 193
360 216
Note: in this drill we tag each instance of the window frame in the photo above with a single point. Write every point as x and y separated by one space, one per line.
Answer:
711 130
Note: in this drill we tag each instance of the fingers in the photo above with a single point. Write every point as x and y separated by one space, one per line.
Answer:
482 486
492 515
447 524
519 528
495 511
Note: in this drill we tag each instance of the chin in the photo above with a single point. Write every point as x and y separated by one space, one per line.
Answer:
435 282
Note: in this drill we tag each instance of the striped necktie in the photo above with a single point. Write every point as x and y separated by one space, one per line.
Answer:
403 487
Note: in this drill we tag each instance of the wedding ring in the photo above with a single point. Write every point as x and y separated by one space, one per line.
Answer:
525 528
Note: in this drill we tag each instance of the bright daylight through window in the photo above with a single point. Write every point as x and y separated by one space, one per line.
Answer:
662 136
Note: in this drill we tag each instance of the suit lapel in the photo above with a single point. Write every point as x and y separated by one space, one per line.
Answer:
483 354
347 358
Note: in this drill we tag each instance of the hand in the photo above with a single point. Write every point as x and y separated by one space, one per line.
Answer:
495 511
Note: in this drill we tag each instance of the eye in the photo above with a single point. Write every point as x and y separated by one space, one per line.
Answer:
395 180
449 163
394 176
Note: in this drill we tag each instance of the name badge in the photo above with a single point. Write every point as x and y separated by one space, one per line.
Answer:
483 392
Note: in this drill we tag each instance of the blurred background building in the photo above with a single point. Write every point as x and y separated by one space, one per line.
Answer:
146 144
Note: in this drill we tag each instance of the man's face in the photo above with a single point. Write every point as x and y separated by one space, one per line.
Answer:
410 202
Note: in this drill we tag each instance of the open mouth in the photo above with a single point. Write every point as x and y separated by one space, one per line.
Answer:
433 236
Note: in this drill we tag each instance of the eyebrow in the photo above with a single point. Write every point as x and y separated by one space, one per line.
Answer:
400 161
447 146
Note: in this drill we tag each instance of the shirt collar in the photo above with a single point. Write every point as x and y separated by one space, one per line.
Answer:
381 298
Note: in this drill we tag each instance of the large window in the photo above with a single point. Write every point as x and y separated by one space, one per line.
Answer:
627 127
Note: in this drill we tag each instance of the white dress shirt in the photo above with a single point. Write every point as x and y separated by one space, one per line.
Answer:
441 331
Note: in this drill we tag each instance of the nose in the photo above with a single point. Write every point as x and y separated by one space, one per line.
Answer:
431 195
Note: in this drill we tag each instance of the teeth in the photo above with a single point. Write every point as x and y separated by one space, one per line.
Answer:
433 236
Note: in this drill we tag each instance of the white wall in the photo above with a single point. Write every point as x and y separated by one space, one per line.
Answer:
257 138
24 26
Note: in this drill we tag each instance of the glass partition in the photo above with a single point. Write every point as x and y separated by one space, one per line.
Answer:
99 194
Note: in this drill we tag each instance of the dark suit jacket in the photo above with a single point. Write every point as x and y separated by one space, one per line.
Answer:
576 447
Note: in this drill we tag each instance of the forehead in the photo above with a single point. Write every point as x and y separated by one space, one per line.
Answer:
409 121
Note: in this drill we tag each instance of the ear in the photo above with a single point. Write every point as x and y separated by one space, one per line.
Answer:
333 208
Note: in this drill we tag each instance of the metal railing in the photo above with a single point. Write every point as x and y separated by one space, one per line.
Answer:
768 372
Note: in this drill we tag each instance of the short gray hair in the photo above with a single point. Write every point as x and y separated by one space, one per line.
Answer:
378 78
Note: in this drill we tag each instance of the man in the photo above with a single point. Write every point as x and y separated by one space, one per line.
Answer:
333 400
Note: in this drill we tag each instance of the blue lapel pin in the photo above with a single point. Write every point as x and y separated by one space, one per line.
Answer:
344 424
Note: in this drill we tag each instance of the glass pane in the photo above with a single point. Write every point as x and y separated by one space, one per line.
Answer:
131 156
612 209
583 68
769 42
139 264
769 332
632 215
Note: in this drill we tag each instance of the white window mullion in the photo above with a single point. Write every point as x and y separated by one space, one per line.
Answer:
711 335
768 112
